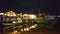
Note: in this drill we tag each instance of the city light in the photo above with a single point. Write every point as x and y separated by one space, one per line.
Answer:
5 14
24 22
27 29
15 31
22 30
25 16
32 16
10 13
33 26
1 13
13 22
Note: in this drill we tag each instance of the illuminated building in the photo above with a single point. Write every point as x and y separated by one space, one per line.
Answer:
10 16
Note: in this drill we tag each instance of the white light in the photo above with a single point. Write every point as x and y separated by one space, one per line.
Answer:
1 13
14 22
25 29
22 30
33 26
32 16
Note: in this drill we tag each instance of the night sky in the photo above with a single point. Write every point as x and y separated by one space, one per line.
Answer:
48 6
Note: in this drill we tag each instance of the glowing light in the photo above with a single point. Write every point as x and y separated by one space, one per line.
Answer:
22 30
5 14
14 32
11 13
1 13
25 29
8 15
32 16
33 26
13 22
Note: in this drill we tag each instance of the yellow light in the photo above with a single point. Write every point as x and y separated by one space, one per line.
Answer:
8 15
15 32
11 13
27 29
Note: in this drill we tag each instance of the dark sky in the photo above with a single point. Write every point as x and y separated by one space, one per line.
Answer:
45 5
